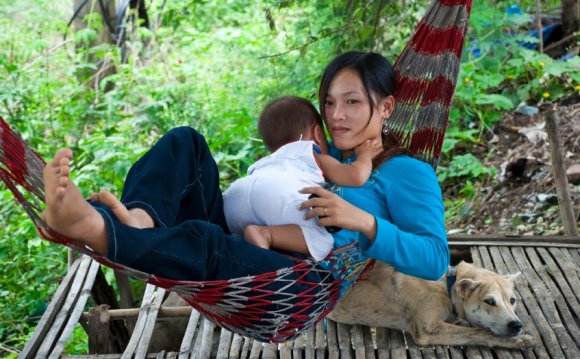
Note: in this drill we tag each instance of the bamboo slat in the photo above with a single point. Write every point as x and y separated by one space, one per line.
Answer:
522 309
236 347
412 348
562 270
441 352
569 267
197 342
298 348
256 350
358 342
144 325
455 353
285 350
67 307
47 319
483 259
383 344
546 300
246 348
344 341
548 336
429 353
151 316
576 256
398 349
320 341
332 339
557 293
224 344
368 342
309 344
187 341
206 339
77 311
269 351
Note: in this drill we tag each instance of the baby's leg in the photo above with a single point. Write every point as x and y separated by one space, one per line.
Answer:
67 212
287 237
134 217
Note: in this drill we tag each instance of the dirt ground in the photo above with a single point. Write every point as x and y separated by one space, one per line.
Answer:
521 198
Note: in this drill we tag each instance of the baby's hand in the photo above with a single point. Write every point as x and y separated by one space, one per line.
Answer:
369 148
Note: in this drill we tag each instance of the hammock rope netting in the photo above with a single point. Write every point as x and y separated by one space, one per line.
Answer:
253 306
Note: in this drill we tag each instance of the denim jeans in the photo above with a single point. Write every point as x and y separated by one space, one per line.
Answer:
177 183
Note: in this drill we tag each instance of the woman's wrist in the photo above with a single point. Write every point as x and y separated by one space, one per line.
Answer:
369 226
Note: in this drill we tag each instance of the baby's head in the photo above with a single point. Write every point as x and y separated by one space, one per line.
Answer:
288 119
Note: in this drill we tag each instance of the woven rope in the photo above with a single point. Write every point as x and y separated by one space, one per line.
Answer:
427 72
426 76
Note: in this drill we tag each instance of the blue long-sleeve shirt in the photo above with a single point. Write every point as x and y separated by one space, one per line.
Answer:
404 196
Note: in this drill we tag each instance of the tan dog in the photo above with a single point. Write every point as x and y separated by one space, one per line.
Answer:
482 299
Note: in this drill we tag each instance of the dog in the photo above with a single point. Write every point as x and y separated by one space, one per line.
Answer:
478 311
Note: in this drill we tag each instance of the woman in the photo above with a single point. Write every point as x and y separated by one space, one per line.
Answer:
171 222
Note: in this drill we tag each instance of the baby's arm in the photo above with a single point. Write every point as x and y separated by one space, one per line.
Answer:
354 174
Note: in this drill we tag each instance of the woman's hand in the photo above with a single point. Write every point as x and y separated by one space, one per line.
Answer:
335 211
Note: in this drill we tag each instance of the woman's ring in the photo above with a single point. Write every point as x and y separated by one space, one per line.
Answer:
325 212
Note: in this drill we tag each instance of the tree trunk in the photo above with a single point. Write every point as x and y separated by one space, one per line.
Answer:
106 10
570 16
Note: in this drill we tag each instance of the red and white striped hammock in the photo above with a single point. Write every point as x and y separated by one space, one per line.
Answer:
427 72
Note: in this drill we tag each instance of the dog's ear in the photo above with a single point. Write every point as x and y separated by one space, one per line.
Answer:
512 277
466 286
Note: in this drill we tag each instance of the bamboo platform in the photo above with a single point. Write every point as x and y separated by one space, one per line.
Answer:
548 295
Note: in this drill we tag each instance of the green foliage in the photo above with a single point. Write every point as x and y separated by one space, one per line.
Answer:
467 166
505 74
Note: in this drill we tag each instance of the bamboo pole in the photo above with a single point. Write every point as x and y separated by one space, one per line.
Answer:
564 201
539 25
164 312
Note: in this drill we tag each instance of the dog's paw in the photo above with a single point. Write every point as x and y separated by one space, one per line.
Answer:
524 341
461 322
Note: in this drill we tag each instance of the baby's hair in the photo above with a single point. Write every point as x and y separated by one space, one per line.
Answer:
285 119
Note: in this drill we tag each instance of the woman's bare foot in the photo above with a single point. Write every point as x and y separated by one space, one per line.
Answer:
67 212
258 235
134 217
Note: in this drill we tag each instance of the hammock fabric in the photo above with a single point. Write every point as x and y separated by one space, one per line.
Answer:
426 77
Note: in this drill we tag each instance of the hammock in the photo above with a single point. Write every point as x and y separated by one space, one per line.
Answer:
427 73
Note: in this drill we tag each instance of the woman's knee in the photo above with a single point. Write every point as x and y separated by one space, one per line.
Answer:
188 141
185 133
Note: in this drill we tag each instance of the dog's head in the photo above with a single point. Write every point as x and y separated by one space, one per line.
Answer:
487 299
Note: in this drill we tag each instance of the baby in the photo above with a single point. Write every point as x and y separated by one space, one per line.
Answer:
263 206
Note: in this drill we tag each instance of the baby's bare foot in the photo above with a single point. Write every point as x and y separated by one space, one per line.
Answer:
67 212
258 235
134 217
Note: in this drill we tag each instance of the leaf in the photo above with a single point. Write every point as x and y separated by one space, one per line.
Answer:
85 36
497 100
556 68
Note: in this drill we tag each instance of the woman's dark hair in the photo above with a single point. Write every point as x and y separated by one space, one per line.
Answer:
284 119
378 78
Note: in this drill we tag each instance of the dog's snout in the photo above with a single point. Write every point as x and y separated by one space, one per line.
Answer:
514 327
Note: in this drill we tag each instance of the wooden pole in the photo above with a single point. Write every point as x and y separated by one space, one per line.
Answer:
539 24
164 312
99 338
564 201
126 297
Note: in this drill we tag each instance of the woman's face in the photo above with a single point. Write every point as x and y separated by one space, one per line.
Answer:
347 112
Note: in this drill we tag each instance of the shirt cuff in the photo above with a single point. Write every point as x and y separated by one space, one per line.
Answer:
379 249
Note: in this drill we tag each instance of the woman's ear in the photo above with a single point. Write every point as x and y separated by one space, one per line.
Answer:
387 106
